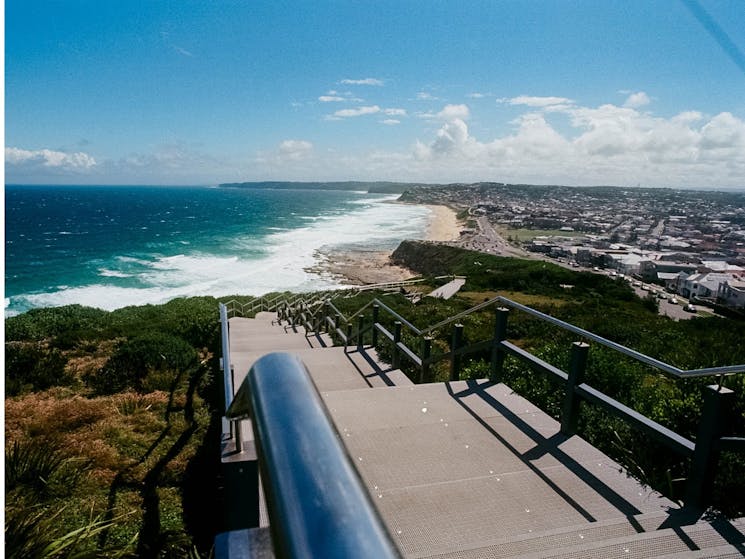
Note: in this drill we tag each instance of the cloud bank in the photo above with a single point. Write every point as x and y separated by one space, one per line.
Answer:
549 140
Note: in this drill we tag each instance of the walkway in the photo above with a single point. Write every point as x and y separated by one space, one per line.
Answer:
471 470
449 289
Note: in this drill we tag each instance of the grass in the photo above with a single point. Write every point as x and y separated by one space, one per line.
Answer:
132 446
527 235
523 298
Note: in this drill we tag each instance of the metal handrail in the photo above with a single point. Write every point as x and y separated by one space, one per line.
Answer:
226 363
318 506
638 356
661 365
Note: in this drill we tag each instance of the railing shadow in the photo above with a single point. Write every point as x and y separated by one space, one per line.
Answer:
543 446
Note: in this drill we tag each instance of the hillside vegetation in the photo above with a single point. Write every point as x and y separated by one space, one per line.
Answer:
112 418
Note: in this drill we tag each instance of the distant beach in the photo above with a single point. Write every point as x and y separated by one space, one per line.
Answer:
361 266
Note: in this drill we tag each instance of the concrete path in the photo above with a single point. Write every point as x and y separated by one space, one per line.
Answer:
448 290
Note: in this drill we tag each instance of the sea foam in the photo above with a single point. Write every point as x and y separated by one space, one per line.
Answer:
242 263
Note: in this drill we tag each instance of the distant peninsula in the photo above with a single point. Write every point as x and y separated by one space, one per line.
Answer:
360 186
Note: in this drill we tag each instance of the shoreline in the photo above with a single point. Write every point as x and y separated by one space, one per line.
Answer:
360 267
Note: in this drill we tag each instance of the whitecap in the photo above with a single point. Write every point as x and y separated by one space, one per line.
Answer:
106 273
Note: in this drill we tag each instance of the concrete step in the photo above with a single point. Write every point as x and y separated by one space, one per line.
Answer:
376 372
248 332
650 535
468 465
330 368
697 540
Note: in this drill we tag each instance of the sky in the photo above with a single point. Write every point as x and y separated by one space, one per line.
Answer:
578 92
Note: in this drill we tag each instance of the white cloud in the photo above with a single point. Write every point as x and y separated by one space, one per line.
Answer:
364 81
476 95
182 51
391 121
608 145
425 96
450 112
48 158
294 150
636 100
330 99
395 112
359 111
536 101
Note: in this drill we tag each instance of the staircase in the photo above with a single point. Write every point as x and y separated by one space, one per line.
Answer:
469 469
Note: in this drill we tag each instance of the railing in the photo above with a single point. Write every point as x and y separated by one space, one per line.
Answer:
703 453
317 504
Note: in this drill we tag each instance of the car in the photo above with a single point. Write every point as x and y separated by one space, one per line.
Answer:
661 295
674 301
690 307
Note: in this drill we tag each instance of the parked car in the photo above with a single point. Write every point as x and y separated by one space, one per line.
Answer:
674 300
690 307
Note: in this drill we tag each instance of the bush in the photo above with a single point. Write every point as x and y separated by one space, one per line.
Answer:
31 366
68 321
134 360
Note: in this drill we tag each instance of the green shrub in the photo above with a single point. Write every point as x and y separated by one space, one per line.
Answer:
31 366
160 356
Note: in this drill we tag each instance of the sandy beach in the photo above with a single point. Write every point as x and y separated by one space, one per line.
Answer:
359 267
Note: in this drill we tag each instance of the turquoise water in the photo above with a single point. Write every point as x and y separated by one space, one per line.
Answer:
110 247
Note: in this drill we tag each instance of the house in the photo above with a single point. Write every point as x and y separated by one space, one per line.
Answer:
702 285
732 294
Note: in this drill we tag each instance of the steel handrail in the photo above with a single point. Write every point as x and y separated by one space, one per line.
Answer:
672 370
318 506
666 367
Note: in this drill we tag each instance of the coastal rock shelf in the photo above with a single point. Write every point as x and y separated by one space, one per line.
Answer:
469 469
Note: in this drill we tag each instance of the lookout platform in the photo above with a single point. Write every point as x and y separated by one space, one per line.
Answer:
470 469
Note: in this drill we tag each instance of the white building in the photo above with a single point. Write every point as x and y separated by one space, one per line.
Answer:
732 294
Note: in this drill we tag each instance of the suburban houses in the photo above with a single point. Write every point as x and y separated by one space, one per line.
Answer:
691 242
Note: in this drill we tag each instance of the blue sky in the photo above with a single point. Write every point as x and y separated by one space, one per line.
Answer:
547 91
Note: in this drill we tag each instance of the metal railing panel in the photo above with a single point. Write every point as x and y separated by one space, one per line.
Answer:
662 434
533 361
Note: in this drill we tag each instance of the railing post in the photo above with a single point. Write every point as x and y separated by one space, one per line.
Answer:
396 355
349 335
577 366
360 334
717 400
375 318
497 353
426 353
317 321
455 357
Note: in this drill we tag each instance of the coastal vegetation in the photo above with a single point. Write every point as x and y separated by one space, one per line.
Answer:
112 418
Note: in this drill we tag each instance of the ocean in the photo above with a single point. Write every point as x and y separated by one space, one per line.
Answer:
115 246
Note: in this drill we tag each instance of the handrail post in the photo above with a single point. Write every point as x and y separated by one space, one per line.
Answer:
360 333
396 355
455 357
717 400
497 353
577 367
426 353
375 318
349 336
